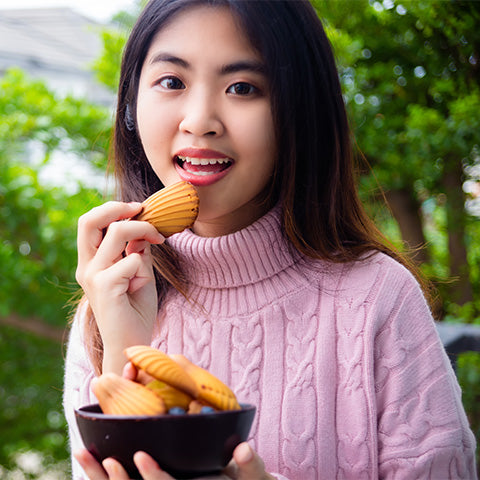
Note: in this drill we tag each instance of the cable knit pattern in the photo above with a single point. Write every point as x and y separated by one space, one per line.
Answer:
342 361
356 456
299 425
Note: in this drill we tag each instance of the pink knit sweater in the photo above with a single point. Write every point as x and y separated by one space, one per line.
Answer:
343 361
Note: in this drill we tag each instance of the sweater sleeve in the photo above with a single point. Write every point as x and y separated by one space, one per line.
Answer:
77 393
423 430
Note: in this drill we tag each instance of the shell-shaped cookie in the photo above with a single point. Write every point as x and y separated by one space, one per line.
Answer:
171 396
217 399
162 367
172 209
210 388
120 396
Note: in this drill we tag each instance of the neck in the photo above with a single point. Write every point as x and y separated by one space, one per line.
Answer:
231 222
256 252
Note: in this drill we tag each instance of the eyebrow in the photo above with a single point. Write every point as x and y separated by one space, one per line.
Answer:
168 58
240 66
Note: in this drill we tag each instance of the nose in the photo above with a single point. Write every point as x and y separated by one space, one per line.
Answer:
201 115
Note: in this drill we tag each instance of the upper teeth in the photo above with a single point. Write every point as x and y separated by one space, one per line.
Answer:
203 161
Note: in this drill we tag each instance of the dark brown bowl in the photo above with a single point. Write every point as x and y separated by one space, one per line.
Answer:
185 446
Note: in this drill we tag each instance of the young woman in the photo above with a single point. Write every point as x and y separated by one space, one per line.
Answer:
283 288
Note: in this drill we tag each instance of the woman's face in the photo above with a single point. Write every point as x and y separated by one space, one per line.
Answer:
204 116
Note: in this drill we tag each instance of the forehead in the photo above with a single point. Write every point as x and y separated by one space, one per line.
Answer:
202 31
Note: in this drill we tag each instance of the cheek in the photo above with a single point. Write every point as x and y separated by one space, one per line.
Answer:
156 130
262 145
152 127
256 134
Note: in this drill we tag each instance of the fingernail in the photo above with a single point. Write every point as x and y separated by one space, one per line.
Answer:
244 453
134 204
111 466
145 463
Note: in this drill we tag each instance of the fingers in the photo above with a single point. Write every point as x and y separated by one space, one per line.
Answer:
130 237
143 272
90 465
131 373
149 468
127 275
115 470
137 246
102 227
118 235
91 225
111 469
247 465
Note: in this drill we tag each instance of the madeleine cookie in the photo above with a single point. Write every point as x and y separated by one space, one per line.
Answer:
210 388
162 367
171 396
172 209
119 396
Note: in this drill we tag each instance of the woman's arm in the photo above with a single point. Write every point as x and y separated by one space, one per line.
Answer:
78 377
423 430
115 272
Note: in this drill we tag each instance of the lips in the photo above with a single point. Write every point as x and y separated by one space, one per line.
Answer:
202 167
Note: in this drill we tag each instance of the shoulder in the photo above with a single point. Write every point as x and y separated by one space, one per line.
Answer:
76 344
79 320
377 284
375 266
376 271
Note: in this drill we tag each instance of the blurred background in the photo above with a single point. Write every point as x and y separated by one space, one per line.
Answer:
410 72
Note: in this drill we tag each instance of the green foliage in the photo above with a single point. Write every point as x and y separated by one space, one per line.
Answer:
31 383
435 229
38 228
468 374
30 112
38 248
107 66
466 313
414 57
409 72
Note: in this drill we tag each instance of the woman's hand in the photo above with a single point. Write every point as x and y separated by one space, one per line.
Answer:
115 271
245 465
110 469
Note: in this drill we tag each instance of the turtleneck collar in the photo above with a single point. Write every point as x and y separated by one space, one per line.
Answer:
247 256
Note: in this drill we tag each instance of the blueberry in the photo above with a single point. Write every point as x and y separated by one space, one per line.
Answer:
207 410
176 411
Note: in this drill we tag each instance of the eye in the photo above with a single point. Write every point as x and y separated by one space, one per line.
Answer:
242 88
171 83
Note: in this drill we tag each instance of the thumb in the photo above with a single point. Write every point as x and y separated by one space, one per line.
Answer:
249 465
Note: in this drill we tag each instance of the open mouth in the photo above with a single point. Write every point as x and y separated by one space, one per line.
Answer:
203 166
